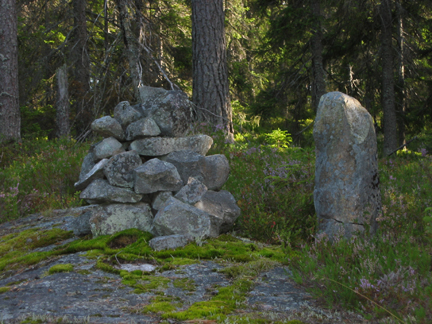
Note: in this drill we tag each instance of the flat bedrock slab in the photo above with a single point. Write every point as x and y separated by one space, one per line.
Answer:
177 217
125 114
119 169
170 242
145 127
107 148
346 170
108 127
100 191
212 171
156 175
171 110
97 172
158 146
110 219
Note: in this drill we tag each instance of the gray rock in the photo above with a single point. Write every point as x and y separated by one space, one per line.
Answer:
216 171
170 242
346 194
110 219
81 224
156 175
142 128
87 165
107 148
125 114
212 171
95 173
108 127
119 169
192 192
158 146
160 199
177 217
171 110
222 207
100 191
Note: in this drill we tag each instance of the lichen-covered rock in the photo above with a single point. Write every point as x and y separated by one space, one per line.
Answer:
119 169
97 172
125 114
346 194
212 171
192 192
110 219
156 175
158 146
222 207
171 110
107 148
108 127
177 217
160 198
100 191
145 127
170 242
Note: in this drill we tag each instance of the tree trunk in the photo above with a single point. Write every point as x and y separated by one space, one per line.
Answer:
131 44
318 85
62 114
209 65
10 120
81 67
388 93
400 86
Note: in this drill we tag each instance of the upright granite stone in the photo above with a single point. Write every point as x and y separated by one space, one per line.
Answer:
346 195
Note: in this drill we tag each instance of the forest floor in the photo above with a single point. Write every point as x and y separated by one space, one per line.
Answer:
54 281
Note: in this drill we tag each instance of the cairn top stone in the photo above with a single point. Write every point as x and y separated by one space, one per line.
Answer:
346 196
108 127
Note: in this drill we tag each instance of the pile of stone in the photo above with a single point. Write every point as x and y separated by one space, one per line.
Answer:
148 174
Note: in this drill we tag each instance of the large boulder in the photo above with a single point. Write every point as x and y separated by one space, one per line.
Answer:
222 208
125 114
212 171
156 175
108 127
177 217
346 195
97 172
100 191
171 110
110 219
158 146
119 169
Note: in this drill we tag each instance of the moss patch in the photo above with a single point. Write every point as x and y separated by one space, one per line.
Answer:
162 304
4 289
251 269
185 284
63 267
15 248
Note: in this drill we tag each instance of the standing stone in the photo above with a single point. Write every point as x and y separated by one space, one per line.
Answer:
346 195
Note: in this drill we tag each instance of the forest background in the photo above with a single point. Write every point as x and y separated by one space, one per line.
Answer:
281 57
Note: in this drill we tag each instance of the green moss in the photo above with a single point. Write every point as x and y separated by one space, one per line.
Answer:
84 272
15 248
162 304
185 284
250 269
147 283
63 267
4 289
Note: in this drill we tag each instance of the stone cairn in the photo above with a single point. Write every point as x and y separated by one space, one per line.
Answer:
147 174
346 196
